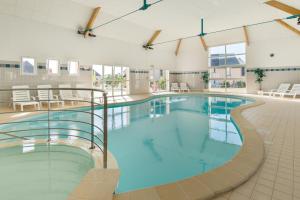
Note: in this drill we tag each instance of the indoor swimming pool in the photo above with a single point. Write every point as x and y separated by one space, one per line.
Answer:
162 139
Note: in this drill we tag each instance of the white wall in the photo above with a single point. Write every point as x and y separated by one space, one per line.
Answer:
286 53
24 37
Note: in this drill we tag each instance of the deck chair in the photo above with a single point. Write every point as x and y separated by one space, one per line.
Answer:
22 98
283 87
174 87
46 96
184 87
292 92
84 94
67 95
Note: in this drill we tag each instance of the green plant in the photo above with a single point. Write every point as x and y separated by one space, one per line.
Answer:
162 83
259 75
205 78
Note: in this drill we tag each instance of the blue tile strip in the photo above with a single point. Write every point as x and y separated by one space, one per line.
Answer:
139 71
277 69
40 66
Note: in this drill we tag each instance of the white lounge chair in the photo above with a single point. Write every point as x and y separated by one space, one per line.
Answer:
292 92
184 87
174 87
46 96
67 95
283 87
84 94
22 98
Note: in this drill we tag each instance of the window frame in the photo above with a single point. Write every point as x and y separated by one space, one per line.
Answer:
124 86
34 67
48 68
226 56
78 68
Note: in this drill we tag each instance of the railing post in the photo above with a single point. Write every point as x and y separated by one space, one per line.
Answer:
105 131
49 138
92 119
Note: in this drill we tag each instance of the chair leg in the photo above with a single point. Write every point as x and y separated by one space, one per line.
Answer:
14 106
22 108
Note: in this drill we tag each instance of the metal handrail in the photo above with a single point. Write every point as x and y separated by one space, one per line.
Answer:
93 139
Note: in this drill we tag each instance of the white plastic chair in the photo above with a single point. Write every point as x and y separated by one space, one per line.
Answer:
46 96
67 95
22 98
84 94
184 87
292 92
174 87
283 87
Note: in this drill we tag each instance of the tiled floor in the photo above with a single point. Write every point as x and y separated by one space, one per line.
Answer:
278 122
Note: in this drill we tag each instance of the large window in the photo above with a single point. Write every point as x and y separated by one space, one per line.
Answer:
114 79
227 67
28 66
227 55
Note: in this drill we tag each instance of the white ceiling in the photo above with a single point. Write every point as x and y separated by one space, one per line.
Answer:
176 18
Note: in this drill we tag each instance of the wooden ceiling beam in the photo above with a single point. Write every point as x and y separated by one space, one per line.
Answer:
246 35
284 7
203 43
286 25
92 20
178 47
153 38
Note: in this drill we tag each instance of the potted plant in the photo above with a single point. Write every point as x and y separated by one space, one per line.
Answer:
259 75
205 78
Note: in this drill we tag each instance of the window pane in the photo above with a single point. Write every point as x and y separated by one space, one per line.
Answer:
236 84
217 83
233 49
217 51
73 67
28 66
237 72
108 79
236 60
98 76
217 61
98 70
217 73
53 66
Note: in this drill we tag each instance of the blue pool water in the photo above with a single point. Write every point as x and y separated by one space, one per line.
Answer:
164 139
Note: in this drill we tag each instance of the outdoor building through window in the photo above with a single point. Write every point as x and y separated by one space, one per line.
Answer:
227 66
114 79
28 66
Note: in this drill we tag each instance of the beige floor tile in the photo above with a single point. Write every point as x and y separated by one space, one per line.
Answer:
171 192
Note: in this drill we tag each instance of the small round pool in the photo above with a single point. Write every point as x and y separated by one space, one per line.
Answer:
40 171
165 138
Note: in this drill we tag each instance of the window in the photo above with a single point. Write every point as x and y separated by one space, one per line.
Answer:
227 66
114 79
232 54
53 66
159 80
28 66
73 67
